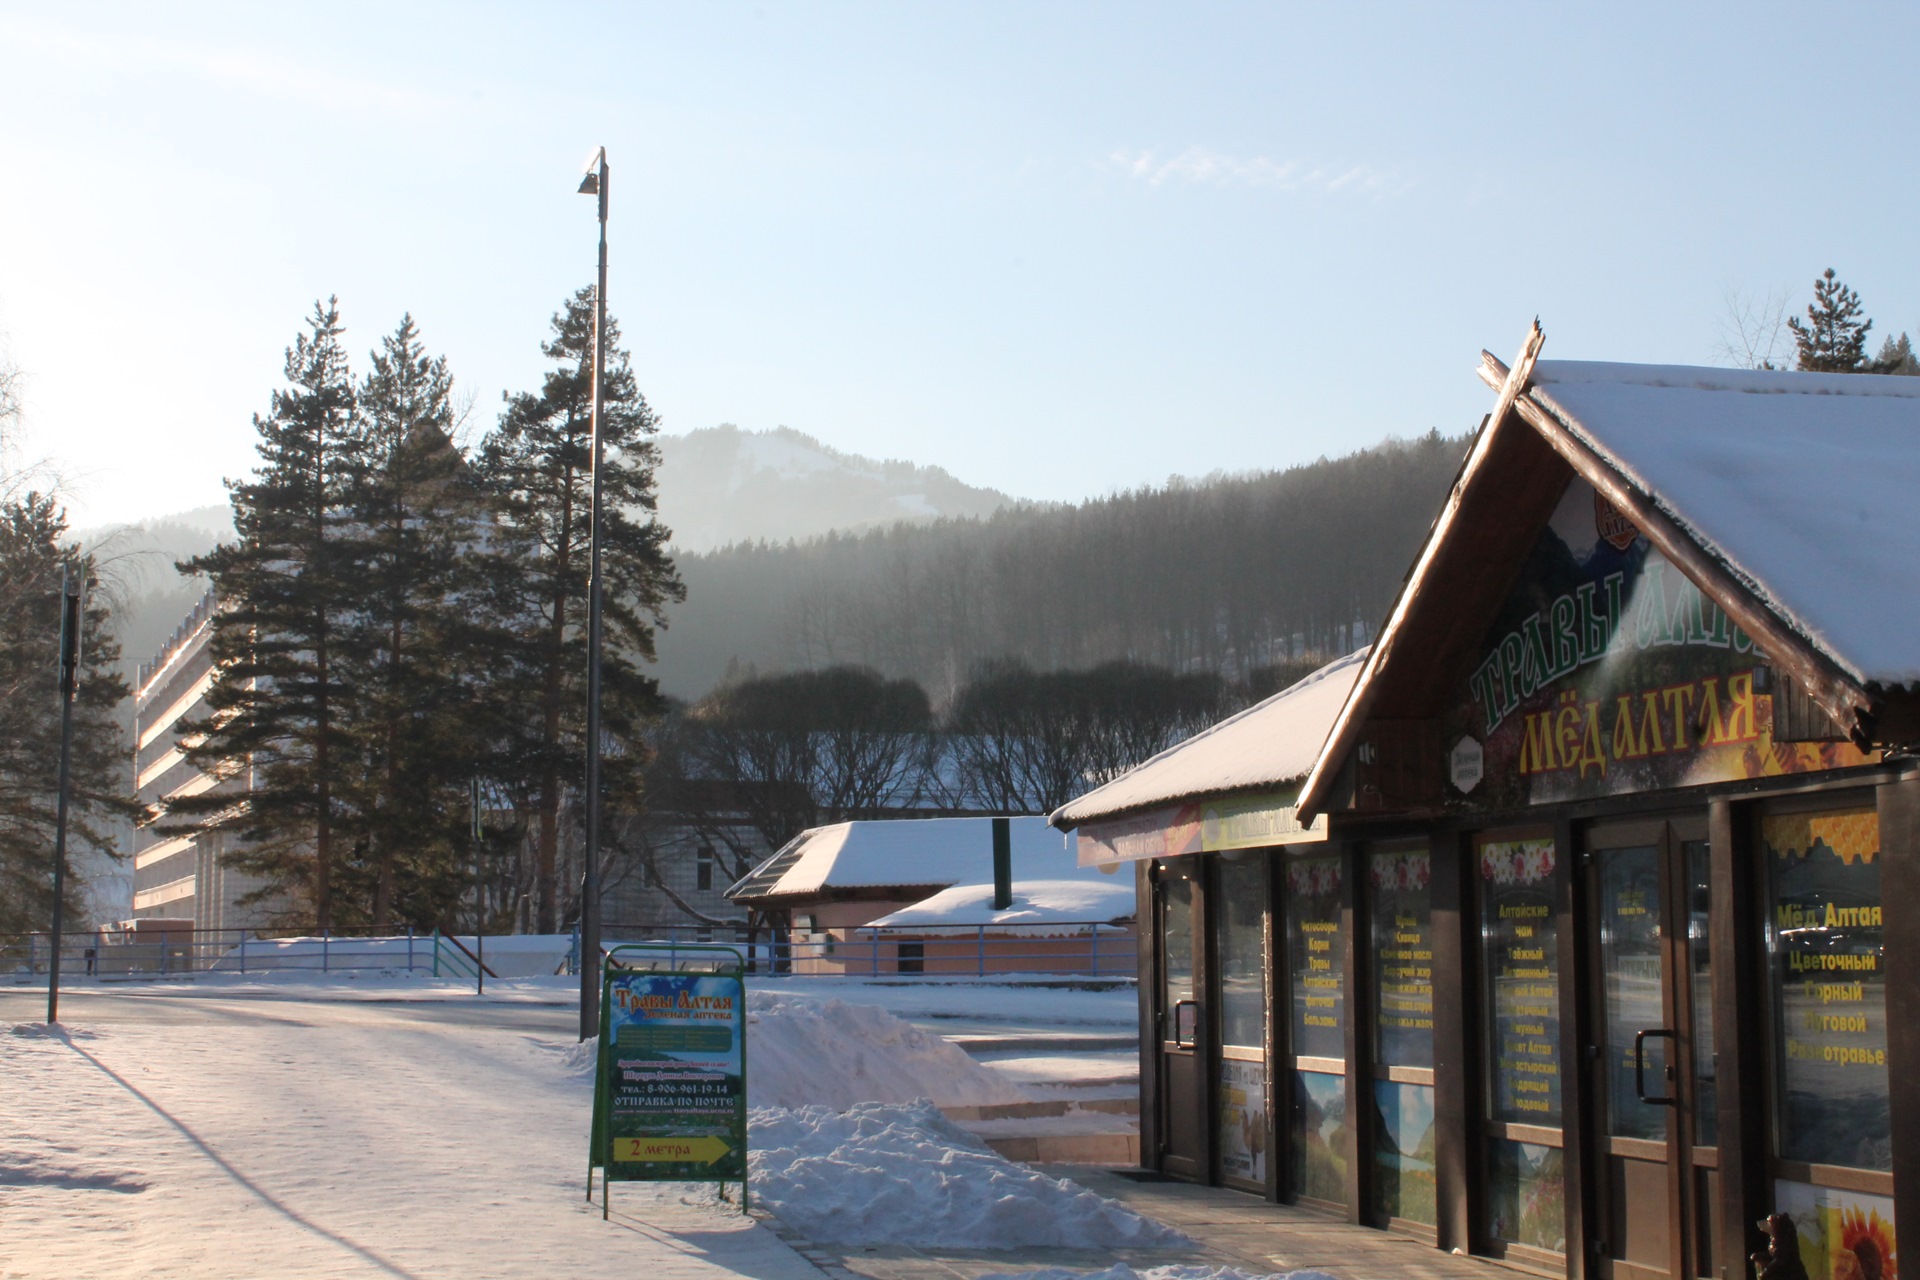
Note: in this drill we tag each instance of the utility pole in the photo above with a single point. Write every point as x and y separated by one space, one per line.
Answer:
70 618
594 184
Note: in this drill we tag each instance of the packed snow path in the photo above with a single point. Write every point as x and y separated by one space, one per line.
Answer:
249 1136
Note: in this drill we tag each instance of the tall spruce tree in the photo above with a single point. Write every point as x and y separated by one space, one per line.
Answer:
1834 337
33 554
411 650
537 465
286 591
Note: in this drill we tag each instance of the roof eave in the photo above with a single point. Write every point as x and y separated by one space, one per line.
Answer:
1190 797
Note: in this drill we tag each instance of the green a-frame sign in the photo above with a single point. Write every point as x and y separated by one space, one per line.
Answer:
670 1085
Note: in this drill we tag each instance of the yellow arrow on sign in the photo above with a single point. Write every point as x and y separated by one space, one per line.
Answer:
649 1150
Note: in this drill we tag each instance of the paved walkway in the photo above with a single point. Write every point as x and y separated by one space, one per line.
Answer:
1233 1229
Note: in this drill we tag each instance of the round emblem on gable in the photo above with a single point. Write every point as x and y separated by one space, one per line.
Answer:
1465 764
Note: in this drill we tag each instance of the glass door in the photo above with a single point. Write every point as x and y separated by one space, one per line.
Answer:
1654 1112
1182 1101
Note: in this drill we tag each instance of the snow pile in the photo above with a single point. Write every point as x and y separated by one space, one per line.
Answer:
881 1174
1121 1271
829 1053
807 1052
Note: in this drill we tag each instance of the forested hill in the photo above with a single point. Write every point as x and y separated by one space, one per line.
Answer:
1226 574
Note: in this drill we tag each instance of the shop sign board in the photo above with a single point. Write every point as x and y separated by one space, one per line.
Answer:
1211 826
670 1097
1608 671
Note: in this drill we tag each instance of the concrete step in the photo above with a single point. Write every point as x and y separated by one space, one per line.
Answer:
1121 1149
1044 1109
1064 1043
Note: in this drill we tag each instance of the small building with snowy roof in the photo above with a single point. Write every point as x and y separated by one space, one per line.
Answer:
1588 934
893 896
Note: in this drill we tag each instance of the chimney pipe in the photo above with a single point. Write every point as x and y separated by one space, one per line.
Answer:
1002 864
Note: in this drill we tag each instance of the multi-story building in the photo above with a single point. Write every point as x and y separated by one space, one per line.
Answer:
182 877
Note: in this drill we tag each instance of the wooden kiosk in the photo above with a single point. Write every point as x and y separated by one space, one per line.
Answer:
1587 929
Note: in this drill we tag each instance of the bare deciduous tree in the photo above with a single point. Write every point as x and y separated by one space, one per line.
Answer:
1753 330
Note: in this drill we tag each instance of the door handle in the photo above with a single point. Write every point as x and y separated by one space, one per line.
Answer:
1193 1037
1640 1063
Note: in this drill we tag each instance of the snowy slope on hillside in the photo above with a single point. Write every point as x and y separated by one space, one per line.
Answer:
721 485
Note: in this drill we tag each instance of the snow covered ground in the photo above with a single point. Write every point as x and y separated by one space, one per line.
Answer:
1124 1272
907 1175
372 1125
323 1138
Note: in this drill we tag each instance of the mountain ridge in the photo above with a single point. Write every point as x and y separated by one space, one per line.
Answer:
722 486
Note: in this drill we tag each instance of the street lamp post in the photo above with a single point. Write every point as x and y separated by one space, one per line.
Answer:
594 184
71 617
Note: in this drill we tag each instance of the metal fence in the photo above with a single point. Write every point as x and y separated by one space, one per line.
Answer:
1081 948
146 955
1084 949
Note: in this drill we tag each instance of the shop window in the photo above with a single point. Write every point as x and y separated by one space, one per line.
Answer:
1520 951
1316 947
1829 988
1403 1163
1520 980
1400 913
1320 1136
1176 960
1398 880
1706 1082
1833 1142
1239 948
1527 1203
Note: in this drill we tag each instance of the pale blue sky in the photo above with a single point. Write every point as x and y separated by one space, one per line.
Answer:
1055 248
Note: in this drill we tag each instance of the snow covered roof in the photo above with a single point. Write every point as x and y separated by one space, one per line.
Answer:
1101 898
1799 483
1270 744
920 852
1782 495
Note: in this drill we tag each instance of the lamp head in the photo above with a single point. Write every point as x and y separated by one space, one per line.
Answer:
596 160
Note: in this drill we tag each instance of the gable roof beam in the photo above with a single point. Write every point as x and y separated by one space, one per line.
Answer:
1366 689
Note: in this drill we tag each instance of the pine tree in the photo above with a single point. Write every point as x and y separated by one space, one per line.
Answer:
32 558
1834 338
537 465
285 589
411 656
1896 356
